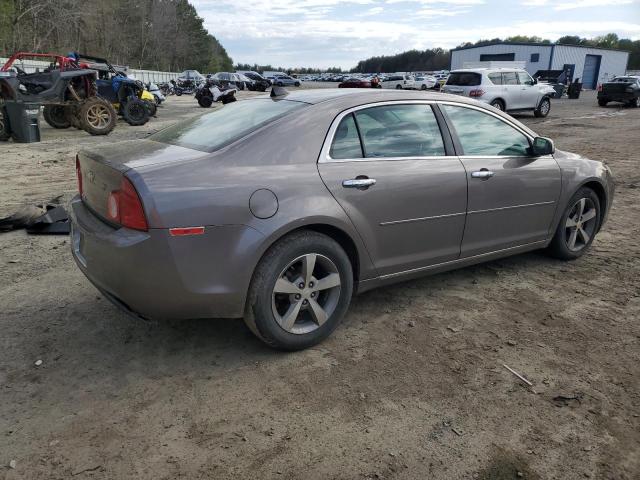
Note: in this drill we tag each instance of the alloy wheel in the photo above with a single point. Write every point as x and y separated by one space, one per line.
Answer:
580 225
306 293
98 116
545 106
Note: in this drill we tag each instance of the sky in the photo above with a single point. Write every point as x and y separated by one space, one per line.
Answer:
328 33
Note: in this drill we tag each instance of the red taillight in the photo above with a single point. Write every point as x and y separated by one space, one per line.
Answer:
79 175
180 232
600 87
476 93
124 207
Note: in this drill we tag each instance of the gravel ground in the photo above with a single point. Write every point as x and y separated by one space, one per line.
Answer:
411 386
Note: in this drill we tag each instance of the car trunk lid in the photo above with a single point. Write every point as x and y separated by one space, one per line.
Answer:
102 169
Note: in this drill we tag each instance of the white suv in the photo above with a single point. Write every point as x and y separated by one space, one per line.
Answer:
398 81
507 89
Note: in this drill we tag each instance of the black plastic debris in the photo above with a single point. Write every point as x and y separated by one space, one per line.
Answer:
48 219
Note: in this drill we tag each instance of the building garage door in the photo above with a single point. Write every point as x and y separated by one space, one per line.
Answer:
591 70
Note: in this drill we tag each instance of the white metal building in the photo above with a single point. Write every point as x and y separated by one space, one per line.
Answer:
591 65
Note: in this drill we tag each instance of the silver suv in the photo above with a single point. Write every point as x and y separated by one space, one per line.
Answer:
507 89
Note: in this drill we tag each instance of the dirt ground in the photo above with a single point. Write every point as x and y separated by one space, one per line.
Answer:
411 386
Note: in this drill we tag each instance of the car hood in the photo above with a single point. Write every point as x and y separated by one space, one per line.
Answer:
135 154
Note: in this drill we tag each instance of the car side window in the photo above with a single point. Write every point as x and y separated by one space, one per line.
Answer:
482 134
509 78
496 78
524 78
346 141
400 131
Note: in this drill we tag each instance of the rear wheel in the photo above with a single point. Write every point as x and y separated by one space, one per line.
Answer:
97 116
544 107
635 103
497 103
297 84
228 98
56 116
578 226
423 87
398 87
602 102
5 131
300 291
135 112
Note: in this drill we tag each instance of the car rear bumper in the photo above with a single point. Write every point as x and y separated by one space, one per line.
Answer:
617 96
154 275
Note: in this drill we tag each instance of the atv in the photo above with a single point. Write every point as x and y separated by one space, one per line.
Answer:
127 95
67 92
213 91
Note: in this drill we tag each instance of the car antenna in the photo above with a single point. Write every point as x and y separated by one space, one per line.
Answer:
277 91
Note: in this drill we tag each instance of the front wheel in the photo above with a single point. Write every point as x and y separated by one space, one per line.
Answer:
578 226
97 116
135 112
205 101
635 103
297 84
423 87
544 107
398 87
300 291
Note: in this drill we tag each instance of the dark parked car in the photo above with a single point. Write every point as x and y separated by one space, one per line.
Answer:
622 89
260 83
301 200
355 83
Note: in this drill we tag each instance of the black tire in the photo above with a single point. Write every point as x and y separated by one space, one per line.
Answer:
423 87
72 116
635 103
602 102
228 99
97 116
280 84
205 101
56 116
297 84
560 244
5 131
543 108
398 87
178 93
499 104
135 112
152 108
259 313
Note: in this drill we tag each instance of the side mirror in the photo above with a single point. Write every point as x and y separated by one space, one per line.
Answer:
542 146
535 81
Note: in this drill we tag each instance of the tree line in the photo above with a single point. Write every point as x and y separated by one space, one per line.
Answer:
165 35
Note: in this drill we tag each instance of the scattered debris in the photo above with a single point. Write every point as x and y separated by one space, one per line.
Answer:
38 363
12 464
48 218
453 329
89 469
457 431
568 400
412 323
513 343
518 375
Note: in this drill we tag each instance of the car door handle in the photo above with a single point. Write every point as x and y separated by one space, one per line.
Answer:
484 174
361 183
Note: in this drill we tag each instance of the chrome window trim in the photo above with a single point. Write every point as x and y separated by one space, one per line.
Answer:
326 146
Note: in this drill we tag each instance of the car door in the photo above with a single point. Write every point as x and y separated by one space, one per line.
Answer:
511 89
512 195
529 91
388 168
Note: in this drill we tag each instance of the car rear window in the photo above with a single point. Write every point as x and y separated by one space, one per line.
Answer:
225 125
464 79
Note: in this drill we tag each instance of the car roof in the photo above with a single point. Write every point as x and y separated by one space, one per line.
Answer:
488 70
351 97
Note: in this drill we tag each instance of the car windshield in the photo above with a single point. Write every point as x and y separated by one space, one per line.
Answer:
225 125
464 79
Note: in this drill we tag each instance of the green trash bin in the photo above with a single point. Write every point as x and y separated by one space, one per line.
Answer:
23 121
